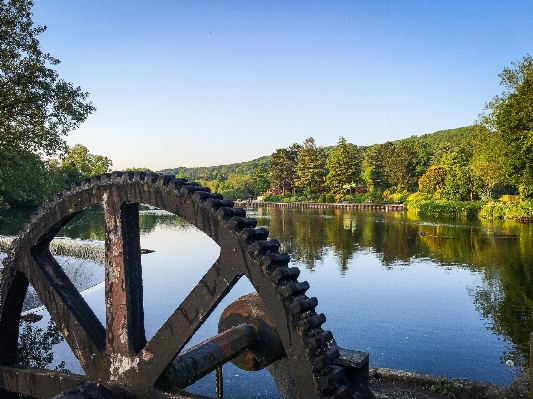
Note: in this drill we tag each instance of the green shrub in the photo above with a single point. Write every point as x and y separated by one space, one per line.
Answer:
273 198
443 207
521 211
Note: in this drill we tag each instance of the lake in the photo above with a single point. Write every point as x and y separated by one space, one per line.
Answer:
445 297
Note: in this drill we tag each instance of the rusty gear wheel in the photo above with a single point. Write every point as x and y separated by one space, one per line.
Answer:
118 354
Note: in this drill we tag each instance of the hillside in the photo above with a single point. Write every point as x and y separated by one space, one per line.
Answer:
456 137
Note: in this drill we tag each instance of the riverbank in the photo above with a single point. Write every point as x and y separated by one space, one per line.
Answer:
317 205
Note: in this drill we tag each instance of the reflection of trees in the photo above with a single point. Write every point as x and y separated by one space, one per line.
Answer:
89 224
300 234
500 252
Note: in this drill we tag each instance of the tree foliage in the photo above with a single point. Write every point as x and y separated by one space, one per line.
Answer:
510 117
433 180
310 167
344 166
260 179
37 108
282 167
86 163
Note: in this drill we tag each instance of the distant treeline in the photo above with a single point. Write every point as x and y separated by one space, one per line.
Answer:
308 172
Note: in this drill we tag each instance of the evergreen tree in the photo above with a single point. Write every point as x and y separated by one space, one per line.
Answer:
261 180
373 168
282 168
310 167
344 166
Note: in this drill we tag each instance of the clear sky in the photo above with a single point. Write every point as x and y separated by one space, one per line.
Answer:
200 83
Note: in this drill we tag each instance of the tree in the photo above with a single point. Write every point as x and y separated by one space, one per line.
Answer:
86 163
344 166
433 180
281 167
373 168
260 179
24 179
459 184
399 162
37 108
488 161
511 116
310 167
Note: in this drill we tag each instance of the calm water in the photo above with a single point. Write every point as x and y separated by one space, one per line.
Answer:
452 298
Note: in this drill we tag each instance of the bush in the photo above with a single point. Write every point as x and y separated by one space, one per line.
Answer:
442 207
521 211
273 198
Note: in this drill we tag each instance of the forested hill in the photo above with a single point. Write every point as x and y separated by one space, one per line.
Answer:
455 137
220 172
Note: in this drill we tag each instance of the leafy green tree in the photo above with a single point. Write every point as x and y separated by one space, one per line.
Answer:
310 167
400 166
511 115
236 187
24 179
373 168
344 166
433 181
261 180
488 162
460 183
86 163
282 167
37 108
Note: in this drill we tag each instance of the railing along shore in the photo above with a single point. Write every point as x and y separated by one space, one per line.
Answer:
316 205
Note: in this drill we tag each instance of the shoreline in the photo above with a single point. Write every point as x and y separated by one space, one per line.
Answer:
317 205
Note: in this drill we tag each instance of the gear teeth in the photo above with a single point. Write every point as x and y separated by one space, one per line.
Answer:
74 187
293 288
238 223
311 322
328 381
202 196
264 247
139 176
189 189
164 180
117 176
249 235
302 304
177 184
225 213
151 177
319 339
284 273
325 358
271 262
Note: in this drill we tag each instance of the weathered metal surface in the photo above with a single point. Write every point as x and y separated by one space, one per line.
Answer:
207 356
118 352
40 384
267 348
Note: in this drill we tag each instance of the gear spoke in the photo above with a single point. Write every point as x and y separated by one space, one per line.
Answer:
187 319
125 334
75 319
118 355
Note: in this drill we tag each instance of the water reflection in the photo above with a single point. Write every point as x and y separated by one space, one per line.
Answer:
492 260
499 251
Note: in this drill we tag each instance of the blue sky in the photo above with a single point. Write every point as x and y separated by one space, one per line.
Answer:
199 83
